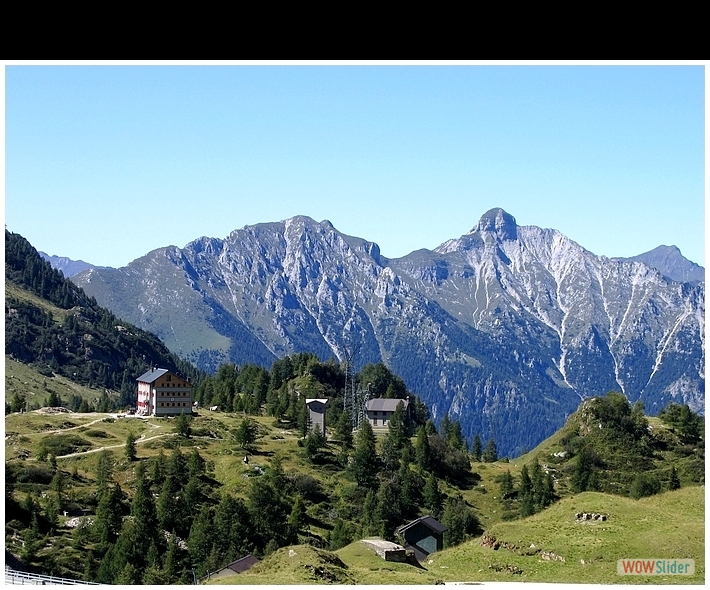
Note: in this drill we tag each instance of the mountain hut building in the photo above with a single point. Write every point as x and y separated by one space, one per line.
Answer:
163 393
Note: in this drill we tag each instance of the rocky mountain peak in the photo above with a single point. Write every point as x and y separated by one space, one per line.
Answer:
499 222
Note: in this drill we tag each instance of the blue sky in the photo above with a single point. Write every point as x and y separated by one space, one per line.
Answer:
105 163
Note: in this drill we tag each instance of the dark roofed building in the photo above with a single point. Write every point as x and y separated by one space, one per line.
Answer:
380 410
236 567
424 535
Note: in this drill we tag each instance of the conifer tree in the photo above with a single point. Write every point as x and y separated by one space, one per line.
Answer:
433 498
104 470
166 504
490 454
199 543
176 467
460 521
344 431
195 464
364 465
506 485
422 450
107 523
368 520
582 474
674 482
388 512
145 520
298 517
410 485
159 468
131 447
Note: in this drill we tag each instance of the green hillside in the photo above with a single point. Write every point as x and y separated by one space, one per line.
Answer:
53 325
669 525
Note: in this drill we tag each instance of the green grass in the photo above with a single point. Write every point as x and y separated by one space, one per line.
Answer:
28 381
14 291
668 526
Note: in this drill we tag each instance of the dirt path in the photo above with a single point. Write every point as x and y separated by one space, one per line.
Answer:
75 427
141 440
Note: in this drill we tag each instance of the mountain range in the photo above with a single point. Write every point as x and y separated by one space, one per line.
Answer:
506 328
67 266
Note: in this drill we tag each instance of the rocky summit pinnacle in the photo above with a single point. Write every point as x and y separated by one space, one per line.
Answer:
499 222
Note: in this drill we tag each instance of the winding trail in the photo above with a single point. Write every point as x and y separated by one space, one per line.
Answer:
142 439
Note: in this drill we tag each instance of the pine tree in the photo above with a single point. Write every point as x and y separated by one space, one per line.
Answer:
195 464
104 470
246 433
344 431
171 566
144 515
460 521
537 486
182 425
490 454
410 485
107 523
166 504
364 465
433 498
341 535
313 443
397 427
159 467
129 576
422 450
199 543
388 512
506 485
583 470
268 513
368 520
298 517
176 467
131 447
674 482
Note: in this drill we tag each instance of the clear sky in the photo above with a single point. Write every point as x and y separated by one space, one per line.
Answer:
106 163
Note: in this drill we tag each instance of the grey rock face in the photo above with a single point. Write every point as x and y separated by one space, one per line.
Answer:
506 328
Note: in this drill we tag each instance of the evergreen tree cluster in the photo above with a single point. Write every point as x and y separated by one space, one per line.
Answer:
400 481
535 491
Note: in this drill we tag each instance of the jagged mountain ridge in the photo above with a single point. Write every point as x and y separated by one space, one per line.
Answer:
506 328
